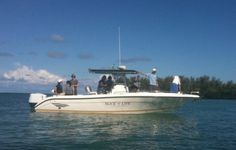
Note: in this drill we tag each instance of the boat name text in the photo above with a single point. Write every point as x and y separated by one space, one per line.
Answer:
117 103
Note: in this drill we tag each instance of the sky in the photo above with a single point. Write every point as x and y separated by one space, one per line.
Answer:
44 40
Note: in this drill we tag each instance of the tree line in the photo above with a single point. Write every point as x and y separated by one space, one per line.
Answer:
208 87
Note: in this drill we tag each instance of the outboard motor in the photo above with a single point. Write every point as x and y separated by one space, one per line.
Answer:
175 85
36 98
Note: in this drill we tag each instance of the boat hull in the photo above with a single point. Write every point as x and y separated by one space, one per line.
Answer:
130 103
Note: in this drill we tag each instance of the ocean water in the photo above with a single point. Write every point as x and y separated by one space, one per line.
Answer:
205 124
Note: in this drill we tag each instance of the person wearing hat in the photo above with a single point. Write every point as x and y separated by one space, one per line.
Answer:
59 88
153 85
74 83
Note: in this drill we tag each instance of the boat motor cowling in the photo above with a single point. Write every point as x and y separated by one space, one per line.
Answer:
36 98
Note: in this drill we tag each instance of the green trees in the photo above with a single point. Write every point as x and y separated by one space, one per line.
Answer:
209 87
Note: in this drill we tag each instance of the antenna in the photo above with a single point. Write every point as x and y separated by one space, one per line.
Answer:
119 46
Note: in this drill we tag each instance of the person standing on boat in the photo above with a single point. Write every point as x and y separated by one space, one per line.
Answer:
153 85
74 83
68 88
175 85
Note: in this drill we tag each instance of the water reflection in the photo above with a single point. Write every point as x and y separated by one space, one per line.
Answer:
94 129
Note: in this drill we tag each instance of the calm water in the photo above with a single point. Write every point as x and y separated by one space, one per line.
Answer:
206 124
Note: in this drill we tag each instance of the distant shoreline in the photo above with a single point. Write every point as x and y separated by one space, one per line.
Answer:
51 94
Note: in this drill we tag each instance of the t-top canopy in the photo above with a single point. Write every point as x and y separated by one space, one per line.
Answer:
113 71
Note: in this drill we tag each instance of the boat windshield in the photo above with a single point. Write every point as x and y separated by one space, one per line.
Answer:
119 75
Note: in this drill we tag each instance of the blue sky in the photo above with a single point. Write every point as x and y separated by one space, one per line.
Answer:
54 38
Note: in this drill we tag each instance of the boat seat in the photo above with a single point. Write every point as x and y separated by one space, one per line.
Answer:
89 91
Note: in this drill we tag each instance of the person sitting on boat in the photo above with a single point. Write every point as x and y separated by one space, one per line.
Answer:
59 88
74 83
109 84
102 85
153 84
135 84
68 88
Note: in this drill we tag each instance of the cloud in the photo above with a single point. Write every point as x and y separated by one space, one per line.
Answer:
6 54
57 38
25 74
56 54
85 56
136 60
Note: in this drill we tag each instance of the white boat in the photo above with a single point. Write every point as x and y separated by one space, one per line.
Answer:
118 101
